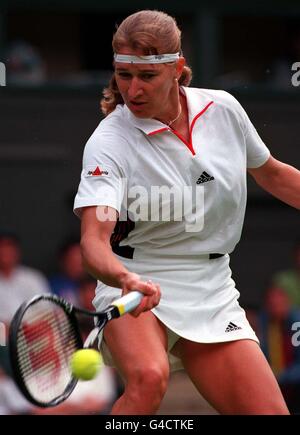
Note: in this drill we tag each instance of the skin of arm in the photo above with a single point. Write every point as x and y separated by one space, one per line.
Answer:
100 261
279 179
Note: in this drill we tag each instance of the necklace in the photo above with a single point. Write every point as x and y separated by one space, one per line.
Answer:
175 119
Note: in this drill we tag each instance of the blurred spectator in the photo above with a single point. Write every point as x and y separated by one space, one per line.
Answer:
17 282
24 64
275 332
289 280
86 293
67 282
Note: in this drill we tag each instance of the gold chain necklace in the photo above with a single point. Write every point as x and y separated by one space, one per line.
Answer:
175 119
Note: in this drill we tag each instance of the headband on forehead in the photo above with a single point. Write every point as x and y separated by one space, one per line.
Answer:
156 58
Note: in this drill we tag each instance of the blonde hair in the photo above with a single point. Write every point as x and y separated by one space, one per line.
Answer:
153 32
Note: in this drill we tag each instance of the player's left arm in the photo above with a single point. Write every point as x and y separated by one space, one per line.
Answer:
279 179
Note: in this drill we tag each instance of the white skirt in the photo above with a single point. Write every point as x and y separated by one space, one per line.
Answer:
198 302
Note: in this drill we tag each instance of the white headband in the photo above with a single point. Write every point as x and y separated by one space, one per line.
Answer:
157 58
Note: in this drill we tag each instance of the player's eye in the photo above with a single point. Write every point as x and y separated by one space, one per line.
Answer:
147 76
124 75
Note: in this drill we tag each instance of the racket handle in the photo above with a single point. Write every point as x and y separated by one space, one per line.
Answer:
128 302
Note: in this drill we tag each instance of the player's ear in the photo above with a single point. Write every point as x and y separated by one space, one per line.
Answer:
179 67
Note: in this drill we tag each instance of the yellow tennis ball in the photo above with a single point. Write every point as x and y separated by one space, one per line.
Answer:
86 363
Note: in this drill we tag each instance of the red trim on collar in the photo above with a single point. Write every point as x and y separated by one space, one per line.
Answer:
189 144
158 131
198 116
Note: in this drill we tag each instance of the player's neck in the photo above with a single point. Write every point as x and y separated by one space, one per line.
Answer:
182 123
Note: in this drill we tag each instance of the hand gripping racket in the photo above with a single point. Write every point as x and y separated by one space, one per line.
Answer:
44 334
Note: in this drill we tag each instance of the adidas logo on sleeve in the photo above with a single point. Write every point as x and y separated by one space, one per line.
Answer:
204 177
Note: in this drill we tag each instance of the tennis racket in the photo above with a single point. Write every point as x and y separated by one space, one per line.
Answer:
44 334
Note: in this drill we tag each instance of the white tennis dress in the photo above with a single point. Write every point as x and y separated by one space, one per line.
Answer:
202 192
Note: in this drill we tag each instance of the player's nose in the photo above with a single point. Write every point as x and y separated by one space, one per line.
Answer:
135 89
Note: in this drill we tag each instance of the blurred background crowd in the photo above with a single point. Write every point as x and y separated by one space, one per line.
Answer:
58 58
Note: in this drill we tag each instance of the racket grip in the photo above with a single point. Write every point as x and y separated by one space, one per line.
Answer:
128 302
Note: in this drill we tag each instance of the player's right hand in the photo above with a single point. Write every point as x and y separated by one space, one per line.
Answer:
132 282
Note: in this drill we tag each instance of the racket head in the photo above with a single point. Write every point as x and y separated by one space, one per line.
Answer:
43 336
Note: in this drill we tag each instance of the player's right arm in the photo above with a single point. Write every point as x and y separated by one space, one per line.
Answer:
100 261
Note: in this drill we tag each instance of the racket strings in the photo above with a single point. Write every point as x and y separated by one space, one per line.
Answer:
45 343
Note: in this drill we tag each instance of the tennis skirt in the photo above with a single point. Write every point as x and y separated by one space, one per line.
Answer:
199 300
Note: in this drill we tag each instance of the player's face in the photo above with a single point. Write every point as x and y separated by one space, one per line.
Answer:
147 89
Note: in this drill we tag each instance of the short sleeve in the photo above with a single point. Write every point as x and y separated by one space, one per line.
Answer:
257 152
102 179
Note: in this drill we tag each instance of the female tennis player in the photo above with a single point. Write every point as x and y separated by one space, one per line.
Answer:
195 145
